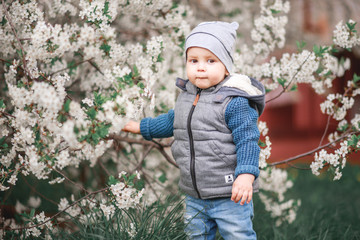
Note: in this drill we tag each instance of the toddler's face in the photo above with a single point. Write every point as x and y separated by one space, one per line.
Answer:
203 68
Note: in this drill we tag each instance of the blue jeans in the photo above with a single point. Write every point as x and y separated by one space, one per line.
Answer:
203 217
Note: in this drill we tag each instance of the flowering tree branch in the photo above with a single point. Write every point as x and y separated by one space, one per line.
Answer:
62 211
312 151
290 82
17 38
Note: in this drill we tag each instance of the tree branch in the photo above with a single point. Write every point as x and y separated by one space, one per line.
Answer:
311 151
57 214
292 79
68 179
154 144
75 65
17 38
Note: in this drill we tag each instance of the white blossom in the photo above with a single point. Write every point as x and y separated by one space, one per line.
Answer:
343 37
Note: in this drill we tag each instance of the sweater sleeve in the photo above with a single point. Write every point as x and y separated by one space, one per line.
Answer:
241 119
159 127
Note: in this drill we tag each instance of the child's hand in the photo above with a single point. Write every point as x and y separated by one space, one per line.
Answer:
132 126
242 188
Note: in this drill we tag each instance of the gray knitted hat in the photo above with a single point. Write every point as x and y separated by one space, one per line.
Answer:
217 37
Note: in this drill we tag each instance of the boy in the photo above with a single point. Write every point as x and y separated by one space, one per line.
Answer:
214 125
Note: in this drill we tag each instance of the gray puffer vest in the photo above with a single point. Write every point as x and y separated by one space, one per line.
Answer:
204 149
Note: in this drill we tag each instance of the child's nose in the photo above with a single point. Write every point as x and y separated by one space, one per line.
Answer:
201 66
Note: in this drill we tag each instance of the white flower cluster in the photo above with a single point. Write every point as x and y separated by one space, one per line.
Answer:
337 160
337 105
264 152
108 209
275 180
73 211
285 211
344 36
36 231
125 195
60 8
47 42
269 28
93 11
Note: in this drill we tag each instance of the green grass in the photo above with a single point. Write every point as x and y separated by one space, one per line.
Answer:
329 209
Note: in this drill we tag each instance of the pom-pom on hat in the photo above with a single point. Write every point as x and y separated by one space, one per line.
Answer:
217 37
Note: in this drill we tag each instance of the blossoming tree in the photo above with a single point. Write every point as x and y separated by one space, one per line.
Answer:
74 72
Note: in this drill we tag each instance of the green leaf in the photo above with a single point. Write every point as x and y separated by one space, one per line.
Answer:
2 140
103 131
67 105
71 66
91 113
353 141
343 128
112 180
160 58
141 85
99 99
106 8
273 11
261 144
300 45
3 21
175 5
162 178
320 69
319 50
281 81
139 184
32 213
19 52
106 48
2 105
294 88
136 72
356 78
351 26
95 137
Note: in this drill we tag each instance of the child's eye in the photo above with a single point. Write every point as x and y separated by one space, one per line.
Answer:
211 61
193 60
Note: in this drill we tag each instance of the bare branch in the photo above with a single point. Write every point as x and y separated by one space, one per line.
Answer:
154 144
68 179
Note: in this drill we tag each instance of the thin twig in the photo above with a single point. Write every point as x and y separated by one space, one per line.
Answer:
103 167
94 65
328 120
68 179
325 131
155 144
292 79
138 166
37 192
310 152
75 65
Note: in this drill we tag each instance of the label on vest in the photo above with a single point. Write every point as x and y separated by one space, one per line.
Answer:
229 178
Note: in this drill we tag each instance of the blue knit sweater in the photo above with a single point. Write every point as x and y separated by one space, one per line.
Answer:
241 119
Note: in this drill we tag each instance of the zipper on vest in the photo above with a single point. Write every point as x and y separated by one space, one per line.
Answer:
191 141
